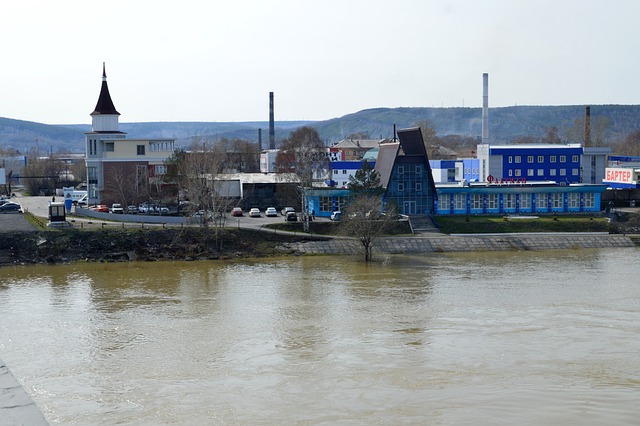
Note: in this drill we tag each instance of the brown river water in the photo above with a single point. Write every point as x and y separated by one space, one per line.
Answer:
440 339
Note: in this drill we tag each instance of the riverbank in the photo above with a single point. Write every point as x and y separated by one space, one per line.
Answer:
118 245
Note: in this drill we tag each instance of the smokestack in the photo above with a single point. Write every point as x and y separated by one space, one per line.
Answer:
485 108
272 129
587 126
260 140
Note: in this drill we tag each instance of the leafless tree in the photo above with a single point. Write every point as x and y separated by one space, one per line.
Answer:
365 220
303 157
366 217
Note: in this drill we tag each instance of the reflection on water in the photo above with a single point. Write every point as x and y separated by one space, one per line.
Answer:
526 338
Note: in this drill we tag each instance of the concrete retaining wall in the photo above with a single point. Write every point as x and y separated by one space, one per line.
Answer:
16 407
176 220
466 243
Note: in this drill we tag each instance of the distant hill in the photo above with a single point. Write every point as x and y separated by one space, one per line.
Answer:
505 125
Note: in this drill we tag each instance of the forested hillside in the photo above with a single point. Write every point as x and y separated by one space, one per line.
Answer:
610 123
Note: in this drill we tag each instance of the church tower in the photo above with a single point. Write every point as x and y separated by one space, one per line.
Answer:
105 117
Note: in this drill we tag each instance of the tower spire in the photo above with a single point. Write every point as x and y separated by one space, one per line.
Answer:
105 104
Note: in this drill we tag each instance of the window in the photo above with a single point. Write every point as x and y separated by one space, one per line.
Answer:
540 159
476 201
563 172
518 172
563 158
552 159
556 201
525 201
552 172
509 201
542 201
574 158
529 172
444 202
517 159
418 186
460 201
574 200
140 149
401 170
109 147
589 200
575 172
418 169
344 172
540 172
400 186
530 159
510 159
510 173
160 170
492 201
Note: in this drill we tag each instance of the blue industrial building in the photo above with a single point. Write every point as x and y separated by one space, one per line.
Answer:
533 198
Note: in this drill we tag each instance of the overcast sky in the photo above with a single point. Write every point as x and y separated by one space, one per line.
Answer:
213 60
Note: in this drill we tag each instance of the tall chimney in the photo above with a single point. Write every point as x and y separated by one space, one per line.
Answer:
485 108
587 126
272 129
260 139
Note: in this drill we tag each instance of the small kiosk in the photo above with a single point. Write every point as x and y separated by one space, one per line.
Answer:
57 214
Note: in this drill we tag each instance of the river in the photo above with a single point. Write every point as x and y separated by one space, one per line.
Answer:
478 338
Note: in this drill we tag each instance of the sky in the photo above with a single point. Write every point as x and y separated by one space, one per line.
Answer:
214 60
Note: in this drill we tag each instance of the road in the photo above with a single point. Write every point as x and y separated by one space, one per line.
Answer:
39 206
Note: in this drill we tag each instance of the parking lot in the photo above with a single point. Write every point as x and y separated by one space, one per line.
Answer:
39 206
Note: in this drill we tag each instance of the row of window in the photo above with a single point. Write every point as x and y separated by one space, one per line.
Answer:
332 204
542 200
402 187
552 159
417 169
540 172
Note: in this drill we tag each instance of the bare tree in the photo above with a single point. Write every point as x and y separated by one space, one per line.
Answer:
303 157
196 172
366 217
120 188
631 144
551 135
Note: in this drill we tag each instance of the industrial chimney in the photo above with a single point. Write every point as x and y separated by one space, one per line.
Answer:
272 129
587 126
485 108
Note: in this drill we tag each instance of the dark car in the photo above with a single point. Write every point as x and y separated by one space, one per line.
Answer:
291 217
10 207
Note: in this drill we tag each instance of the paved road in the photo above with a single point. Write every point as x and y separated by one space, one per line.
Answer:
15 221
39 206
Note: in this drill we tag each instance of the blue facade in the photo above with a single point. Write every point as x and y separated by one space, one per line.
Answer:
323 202
518 199
411 186
557 163
471 169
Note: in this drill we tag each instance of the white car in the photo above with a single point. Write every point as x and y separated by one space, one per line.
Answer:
271 212
116 208
254 212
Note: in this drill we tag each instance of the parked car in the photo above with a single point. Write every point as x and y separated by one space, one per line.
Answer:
271 212
10 207
132 209
103 208
82 202
286 210
291 217
336 216
237 211
254 212
116 209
